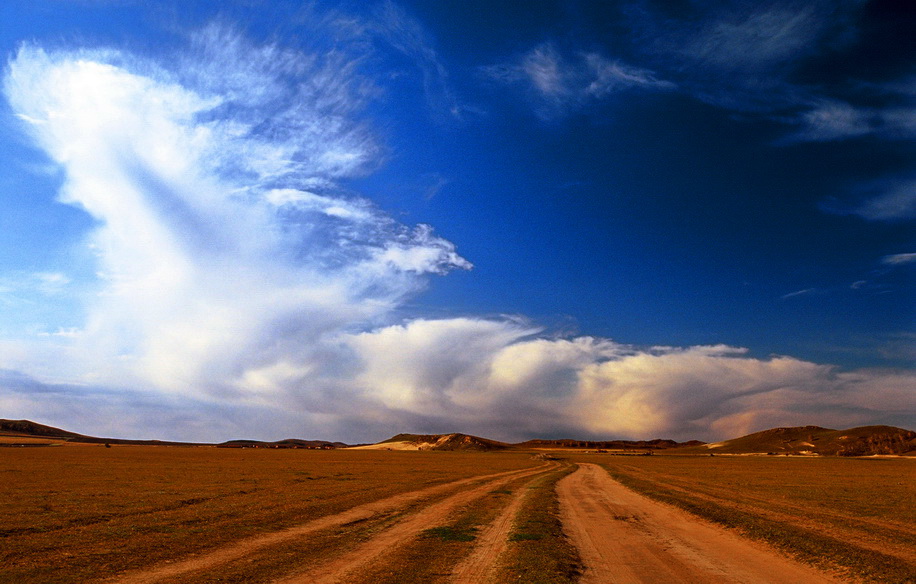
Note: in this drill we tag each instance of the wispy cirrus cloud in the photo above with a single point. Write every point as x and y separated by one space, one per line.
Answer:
561 83
408 36
899 259
889 199
754 57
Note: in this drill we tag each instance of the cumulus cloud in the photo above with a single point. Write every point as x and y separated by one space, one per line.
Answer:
239 290
501 379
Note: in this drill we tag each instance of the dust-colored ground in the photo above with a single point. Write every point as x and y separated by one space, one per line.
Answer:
328 572
336 570
626 538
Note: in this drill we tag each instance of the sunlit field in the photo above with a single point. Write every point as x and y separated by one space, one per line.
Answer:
853 516
79 513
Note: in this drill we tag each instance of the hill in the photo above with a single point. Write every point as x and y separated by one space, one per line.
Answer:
861 441
657 444
27 428
287 443
28 433
437 442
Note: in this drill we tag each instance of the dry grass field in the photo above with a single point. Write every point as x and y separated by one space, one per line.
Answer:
172 515
83 513
853 517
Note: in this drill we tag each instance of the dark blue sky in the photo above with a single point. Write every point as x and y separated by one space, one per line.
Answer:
660 176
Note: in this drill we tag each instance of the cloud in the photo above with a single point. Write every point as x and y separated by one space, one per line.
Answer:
804 292
752 39
899 259
562 83
888 199
407 35
757 58
215 255
834 120
499 378
241 291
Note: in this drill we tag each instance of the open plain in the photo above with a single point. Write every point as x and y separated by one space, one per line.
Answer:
143 514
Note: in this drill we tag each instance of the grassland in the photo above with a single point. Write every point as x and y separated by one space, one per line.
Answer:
86 513
854 517
82 513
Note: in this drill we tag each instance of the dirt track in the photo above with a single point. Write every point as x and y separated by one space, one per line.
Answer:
335 571
329 571
626 538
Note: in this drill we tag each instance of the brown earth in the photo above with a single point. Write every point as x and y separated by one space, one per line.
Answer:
337 569
328 572
489 546
626 538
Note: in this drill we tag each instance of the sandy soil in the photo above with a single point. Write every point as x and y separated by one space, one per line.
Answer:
358 513
626 538
337 569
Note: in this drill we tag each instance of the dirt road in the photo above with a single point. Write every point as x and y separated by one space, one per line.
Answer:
335 570
475 486
625 538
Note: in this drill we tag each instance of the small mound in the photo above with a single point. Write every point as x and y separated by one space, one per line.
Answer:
454 441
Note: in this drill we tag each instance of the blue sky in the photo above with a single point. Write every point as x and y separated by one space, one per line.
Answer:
345 220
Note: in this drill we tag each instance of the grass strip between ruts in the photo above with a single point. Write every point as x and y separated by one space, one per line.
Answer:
539 551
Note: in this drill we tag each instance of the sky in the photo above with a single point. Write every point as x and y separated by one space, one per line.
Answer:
345 220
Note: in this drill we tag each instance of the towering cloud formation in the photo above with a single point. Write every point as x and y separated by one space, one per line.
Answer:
232 276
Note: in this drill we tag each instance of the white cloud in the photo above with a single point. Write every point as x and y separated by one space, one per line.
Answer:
804 292
898 259
898 202
611 76
832 120
546 71
750 41
406 35
239 290
495 377
562 83
204 275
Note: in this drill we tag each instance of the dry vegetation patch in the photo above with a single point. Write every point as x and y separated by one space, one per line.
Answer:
539 551
851 516
79 513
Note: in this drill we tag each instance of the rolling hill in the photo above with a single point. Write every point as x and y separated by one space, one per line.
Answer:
453 441
800 440
861 441
564 444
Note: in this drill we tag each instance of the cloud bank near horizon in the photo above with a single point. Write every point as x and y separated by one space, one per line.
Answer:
238 281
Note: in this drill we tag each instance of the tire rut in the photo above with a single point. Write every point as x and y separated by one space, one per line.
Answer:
337 569
240 549
491 544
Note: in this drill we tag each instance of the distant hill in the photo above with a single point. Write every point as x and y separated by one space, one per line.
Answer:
26 432
437 442
657 444
288 443
861 441
27 428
